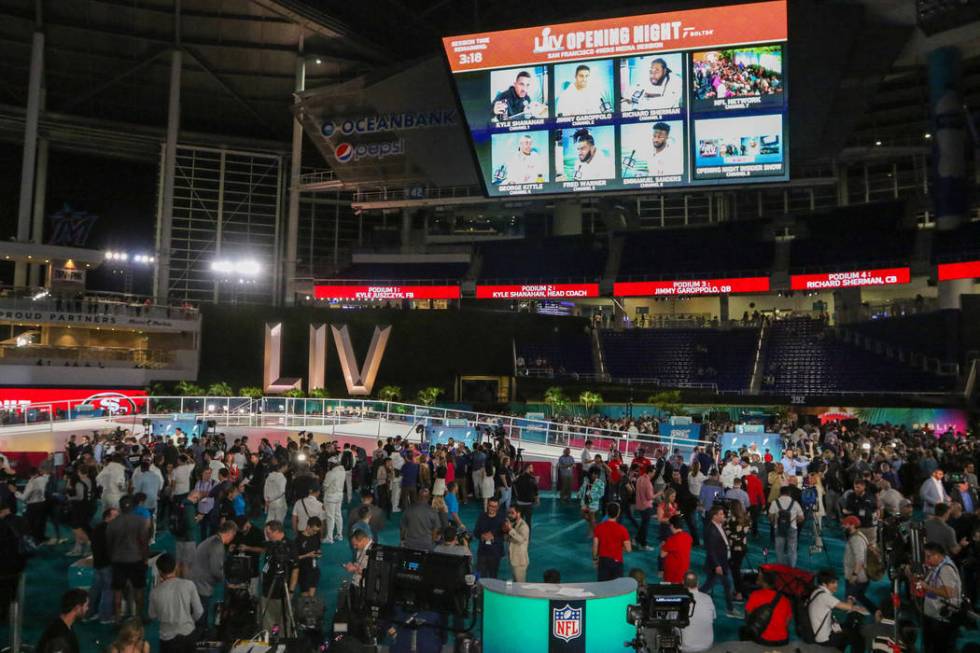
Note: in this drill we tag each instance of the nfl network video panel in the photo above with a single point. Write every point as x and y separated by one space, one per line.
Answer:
685 98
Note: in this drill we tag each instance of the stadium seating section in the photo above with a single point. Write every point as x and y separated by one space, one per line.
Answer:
726 250
839 240
556 260
682 357
570 353
803 357
932 334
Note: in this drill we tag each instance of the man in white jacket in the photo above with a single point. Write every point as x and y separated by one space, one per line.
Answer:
112 481
333 497
274 494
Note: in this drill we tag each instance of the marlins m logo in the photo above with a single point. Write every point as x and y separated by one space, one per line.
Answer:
566 623
71 228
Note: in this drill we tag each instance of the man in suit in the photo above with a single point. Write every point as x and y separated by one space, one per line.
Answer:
717 553
933 492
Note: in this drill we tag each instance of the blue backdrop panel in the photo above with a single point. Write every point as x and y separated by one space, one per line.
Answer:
762 441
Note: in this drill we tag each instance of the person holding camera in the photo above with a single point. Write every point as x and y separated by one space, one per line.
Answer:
362 543
942 592
699 634
453 543
820 607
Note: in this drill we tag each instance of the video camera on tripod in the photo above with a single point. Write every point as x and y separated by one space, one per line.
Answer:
663 609
400 581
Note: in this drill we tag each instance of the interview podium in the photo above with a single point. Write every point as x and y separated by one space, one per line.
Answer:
556 618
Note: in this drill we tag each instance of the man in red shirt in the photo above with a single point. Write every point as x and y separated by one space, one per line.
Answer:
777 632
757 497
676 551
609 541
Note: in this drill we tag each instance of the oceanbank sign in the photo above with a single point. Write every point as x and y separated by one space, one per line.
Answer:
381 123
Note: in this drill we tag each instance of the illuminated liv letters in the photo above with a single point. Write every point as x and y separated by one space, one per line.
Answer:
359 380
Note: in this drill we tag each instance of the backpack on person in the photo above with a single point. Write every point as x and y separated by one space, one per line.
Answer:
874 562
757 621
784 519
801 615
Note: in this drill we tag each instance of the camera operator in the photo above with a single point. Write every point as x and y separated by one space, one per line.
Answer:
942 591
699 635
249 540
275 574
454 543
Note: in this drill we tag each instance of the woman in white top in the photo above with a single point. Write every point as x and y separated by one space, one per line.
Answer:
695 479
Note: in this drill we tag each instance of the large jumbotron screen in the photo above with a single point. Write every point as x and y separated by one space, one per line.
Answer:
685 98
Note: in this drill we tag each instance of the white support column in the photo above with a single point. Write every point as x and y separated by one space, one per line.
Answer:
296 161
162 281
220 218
37 224
28 161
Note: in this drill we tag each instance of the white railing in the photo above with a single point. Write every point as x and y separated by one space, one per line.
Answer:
299 413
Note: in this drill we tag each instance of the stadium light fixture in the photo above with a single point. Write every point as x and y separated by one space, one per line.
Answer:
242 268
878 143
927 136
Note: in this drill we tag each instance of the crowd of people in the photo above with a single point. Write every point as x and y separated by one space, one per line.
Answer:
722 77
276 506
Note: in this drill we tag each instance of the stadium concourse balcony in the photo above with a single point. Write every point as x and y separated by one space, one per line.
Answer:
567 354
803 356
727 250
404 272
564 258
839 239
934 334
960 244
682 357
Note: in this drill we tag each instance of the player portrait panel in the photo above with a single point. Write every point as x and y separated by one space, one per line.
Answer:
518 95
749 146
584 90
519 162
651 86
737 78
652 154
585 156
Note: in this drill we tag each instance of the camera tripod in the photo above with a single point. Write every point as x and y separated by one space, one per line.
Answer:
289 622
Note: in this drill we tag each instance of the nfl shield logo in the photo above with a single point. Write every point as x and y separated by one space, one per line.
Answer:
567 623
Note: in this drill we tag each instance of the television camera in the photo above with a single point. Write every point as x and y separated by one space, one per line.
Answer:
399 584
662 611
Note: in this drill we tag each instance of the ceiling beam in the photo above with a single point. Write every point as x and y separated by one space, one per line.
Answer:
245 104
318 22
85 97
78 53
167 39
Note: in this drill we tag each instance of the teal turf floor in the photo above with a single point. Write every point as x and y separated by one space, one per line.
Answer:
558 539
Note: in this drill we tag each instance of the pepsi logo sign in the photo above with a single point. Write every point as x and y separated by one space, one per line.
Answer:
344 152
